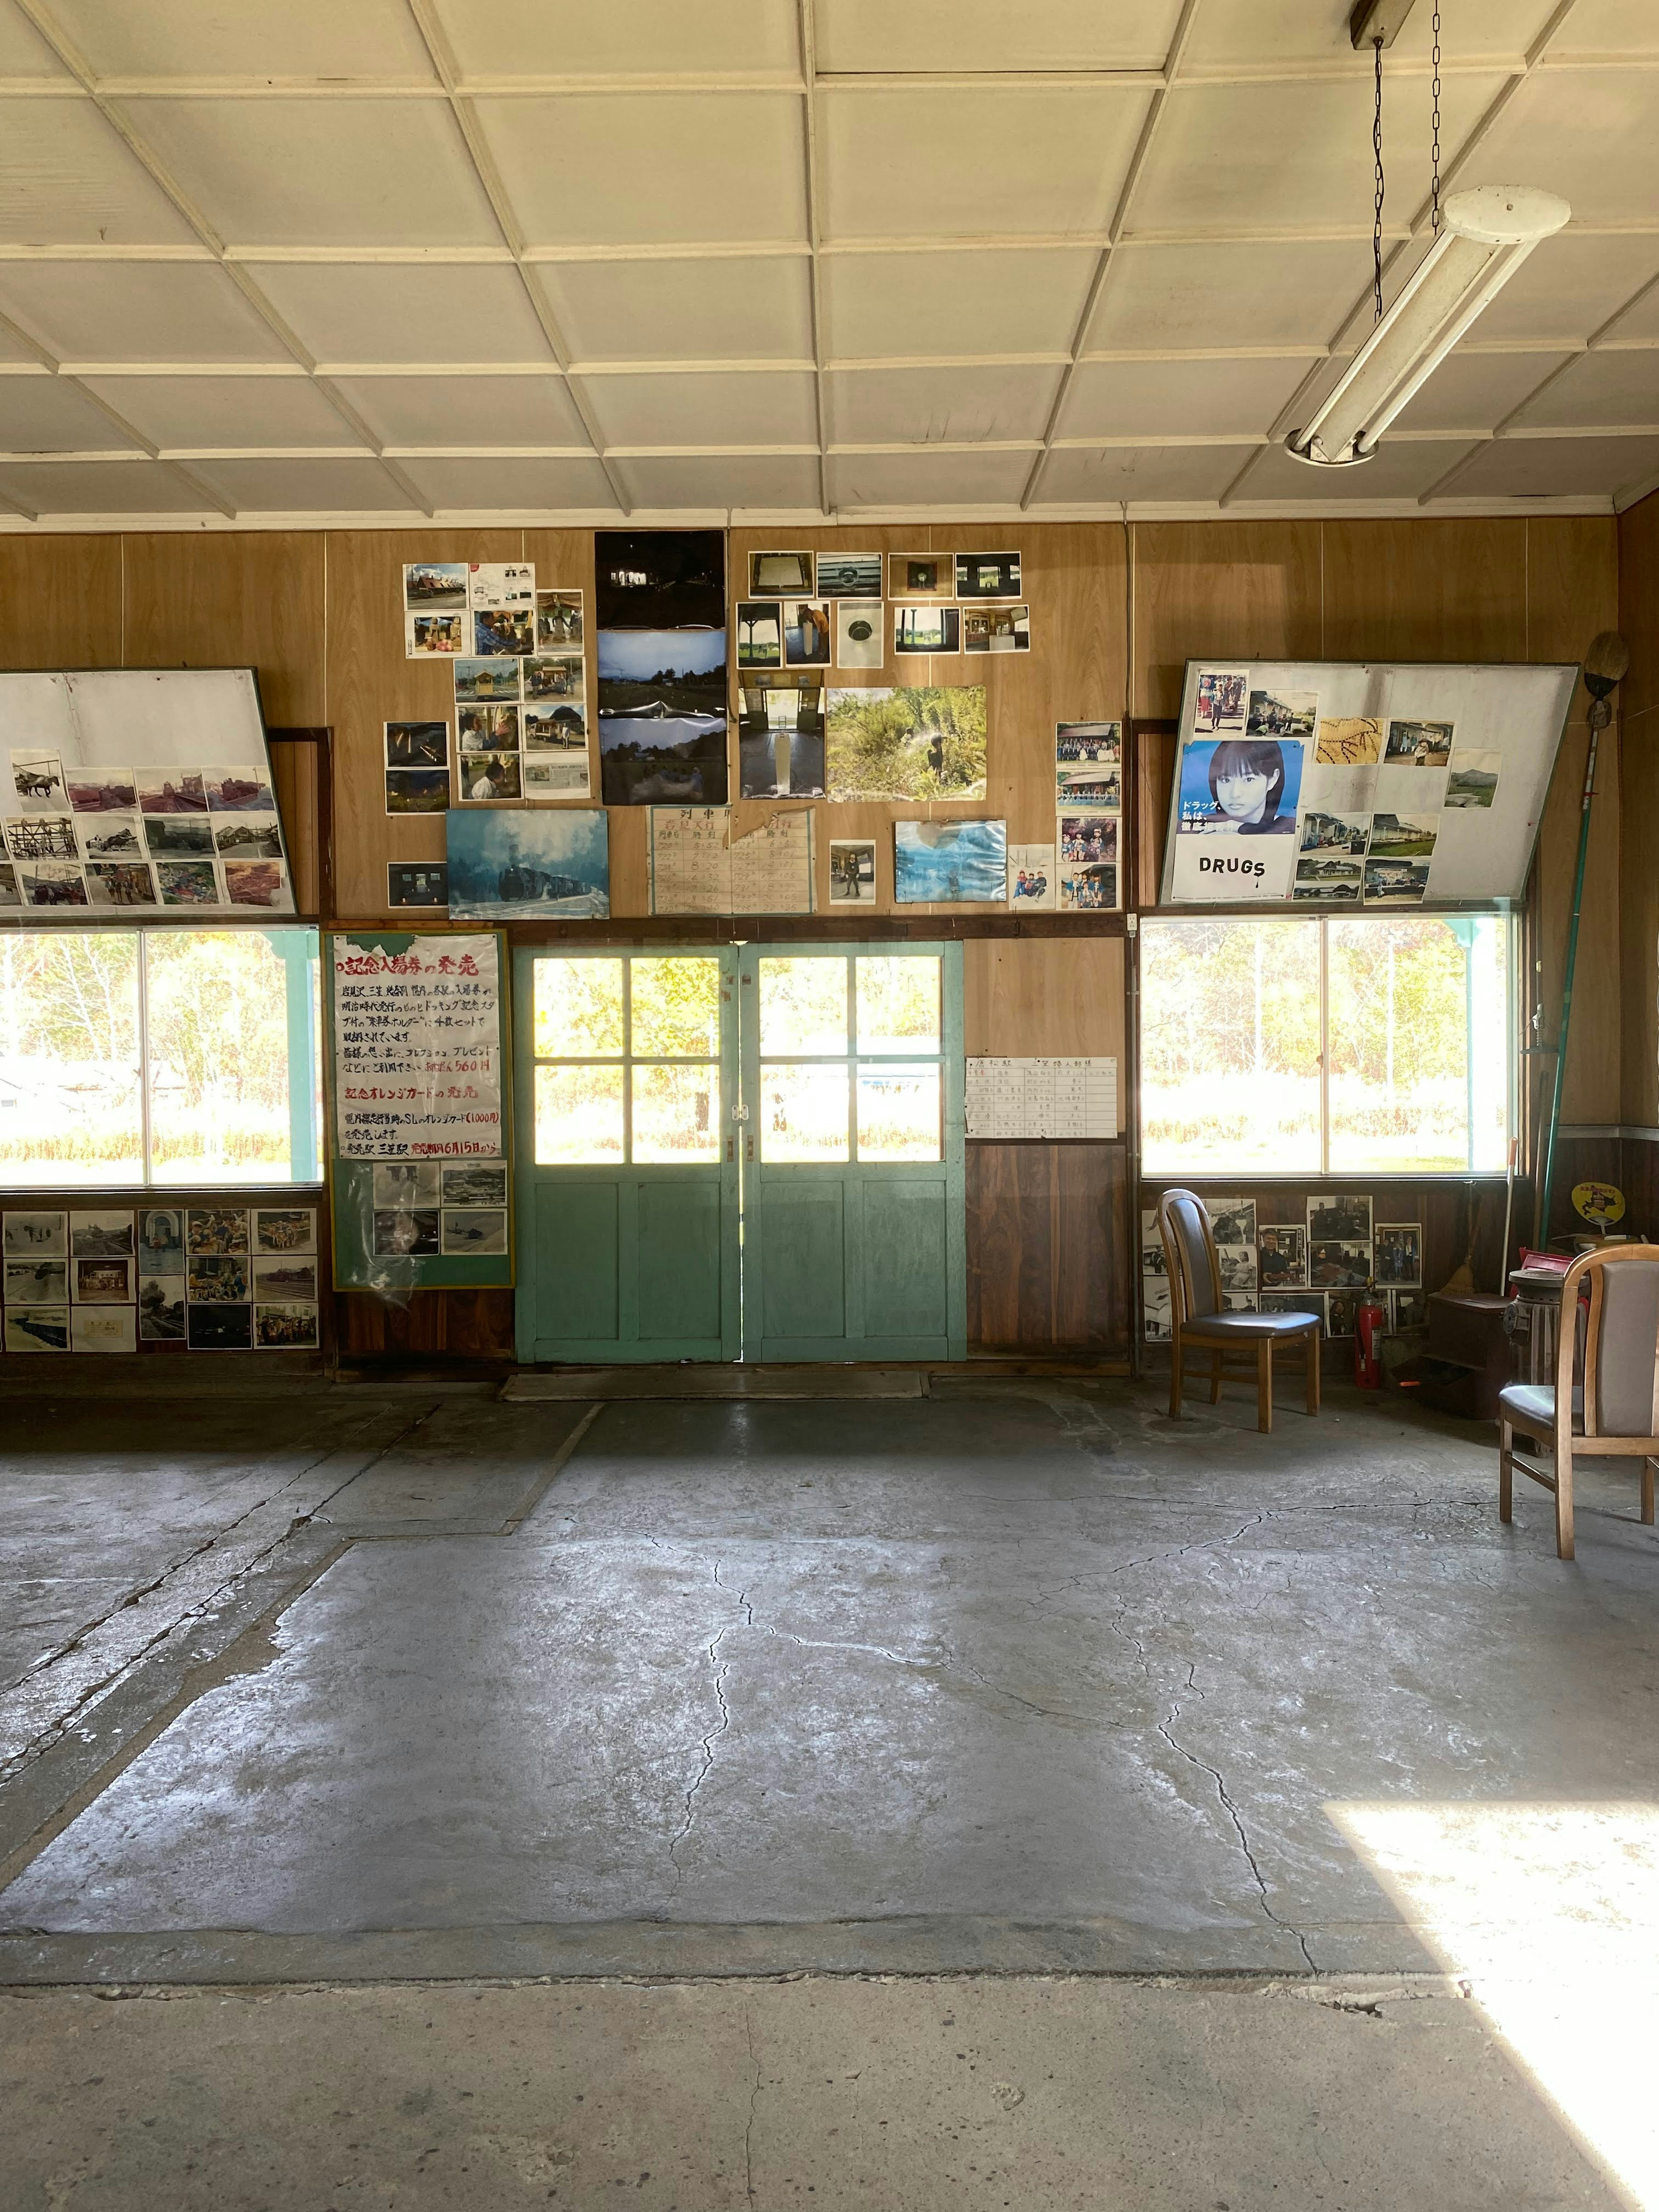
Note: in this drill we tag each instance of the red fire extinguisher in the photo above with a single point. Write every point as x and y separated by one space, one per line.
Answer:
1370 1319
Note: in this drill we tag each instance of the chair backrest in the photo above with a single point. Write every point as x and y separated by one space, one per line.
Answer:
1621 1338
1184 1224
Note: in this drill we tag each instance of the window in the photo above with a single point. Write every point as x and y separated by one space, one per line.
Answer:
159 1057
628 1060
1342 1046
850 1062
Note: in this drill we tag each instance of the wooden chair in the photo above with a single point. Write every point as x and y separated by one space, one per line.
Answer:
1614 1408
1198 1316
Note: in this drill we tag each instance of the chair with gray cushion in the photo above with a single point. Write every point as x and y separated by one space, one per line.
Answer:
1614 1401
1198 1317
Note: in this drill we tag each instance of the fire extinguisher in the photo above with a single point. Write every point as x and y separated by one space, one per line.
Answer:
1369 1320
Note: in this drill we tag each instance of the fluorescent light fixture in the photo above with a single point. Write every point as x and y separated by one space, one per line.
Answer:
1487 233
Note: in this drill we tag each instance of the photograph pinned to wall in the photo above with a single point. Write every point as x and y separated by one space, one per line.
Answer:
1292 1302
1408 1309
411 744
161 1309
417 882
1344 836
501 584
1033 878
1396 882
103 1328
1340 1308
249 837
101 790
434 634
100 1282
1403 836
1282 1251
849 576
1236 1264
216 1278
1232 1221
507 631
217 1229
558 621
927 629
1418 745
120 883
187 883
405 1183
171 791
760 634
549 774
474 1231
950 863
1089 763
162 1240
781 576
1473 778
988 576
11 891
1329 876
529 865
122 838
417 790
1282 714
285 1328
486 779
860 642
921 576
780 738
996 630
37 1328
257 884
1086 839
1399 1255
487 730
487 683
35 1236
660 579
100 1235
474 1182
37 1282
806 633
220 1328
54 883
1338 1263
852 872
242 790
43 837
911 741
1088 887
405 1233
177 837
554 676
285 1229
1219 699
435 606
662 717
37 787
1348 741
553 728
1339 1213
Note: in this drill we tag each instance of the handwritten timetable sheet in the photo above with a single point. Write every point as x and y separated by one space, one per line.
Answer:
699 866
1014 1098
417 1048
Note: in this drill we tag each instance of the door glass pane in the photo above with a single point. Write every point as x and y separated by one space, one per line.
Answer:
219 1009
803 1004
676 1009
898 1002
1408 1096
803 1110
677 1112
579 1116
70 1106
899 1112
578 1009
1230 1047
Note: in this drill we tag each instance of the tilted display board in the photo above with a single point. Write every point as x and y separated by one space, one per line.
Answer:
420 1158
137 792
1338 785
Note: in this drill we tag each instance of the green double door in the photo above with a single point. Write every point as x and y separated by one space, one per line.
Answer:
750 1154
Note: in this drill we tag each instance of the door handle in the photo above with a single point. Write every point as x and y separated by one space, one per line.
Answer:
731 1148
749 1154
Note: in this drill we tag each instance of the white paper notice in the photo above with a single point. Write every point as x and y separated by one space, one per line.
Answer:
418 1070
1016 1098
772 866
690 866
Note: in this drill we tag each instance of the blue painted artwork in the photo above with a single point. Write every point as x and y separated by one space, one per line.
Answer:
951 862
524 864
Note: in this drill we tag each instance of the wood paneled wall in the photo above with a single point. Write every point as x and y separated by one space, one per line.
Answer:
1638 801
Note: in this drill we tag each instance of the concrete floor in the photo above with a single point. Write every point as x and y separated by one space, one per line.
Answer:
380 1737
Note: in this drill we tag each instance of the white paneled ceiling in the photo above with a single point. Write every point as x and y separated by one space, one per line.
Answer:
785 257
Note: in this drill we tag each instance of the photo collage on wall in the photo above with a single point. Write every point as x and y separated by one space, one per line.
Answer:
660 617
201 1279
142 840
426 1209
1342 811
1319 1265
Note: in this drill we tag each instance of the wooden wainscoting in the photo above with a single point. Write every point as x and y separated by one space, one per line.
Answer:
1048 1245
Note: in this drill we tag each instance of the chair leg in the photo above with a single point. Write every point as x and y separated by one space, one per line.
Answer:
1505 1472
1176 1356
1564 1545
1264 1385
1215 1378
1647 1491
1310 1353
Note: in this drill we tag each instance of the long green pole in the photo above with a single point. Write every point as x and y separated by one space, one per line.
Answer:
1601 713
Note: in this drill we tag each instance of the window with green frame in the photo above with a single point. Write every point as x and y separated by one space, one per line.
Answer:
157 1057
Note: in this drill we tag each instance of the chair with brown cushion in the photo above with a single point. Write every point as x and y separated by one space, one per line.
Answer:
1615 1403
1198 1316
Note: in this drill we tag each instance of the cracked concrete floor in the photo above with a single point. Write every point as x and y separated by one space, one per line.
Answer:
1005 1683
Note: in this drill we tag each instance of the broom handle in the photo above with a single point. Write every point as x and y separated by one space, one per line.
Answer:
1548 1181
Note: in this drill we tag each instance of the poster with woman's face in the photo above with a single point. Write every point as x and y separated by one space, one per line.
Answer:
1236 835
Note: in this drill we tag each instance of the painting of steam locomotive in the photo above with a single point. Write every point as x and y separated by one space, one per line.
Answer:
515 863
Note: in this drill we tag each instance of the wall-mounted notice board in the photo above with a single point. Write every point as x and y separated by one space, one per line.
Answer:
420 1156
1341 785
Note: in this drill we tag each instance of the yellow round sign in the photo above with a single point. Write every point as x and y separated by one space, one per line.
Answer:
1598 1203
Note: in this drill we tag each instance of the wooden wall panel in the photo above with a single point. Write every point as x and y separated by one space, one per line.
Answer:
453 1324
1432 590
1638 773
62 598
296 770
1047 1235
1248 591
1043 998
233 600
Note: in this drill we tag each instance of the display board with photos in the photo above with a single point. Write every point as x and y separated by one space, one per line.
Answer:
1339 785
849 609
215 1277
1322 1264
136 792
419 1123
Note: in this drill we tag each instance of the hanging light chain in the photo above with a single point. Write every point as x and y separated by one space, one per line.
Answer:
1434 127
1376 197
